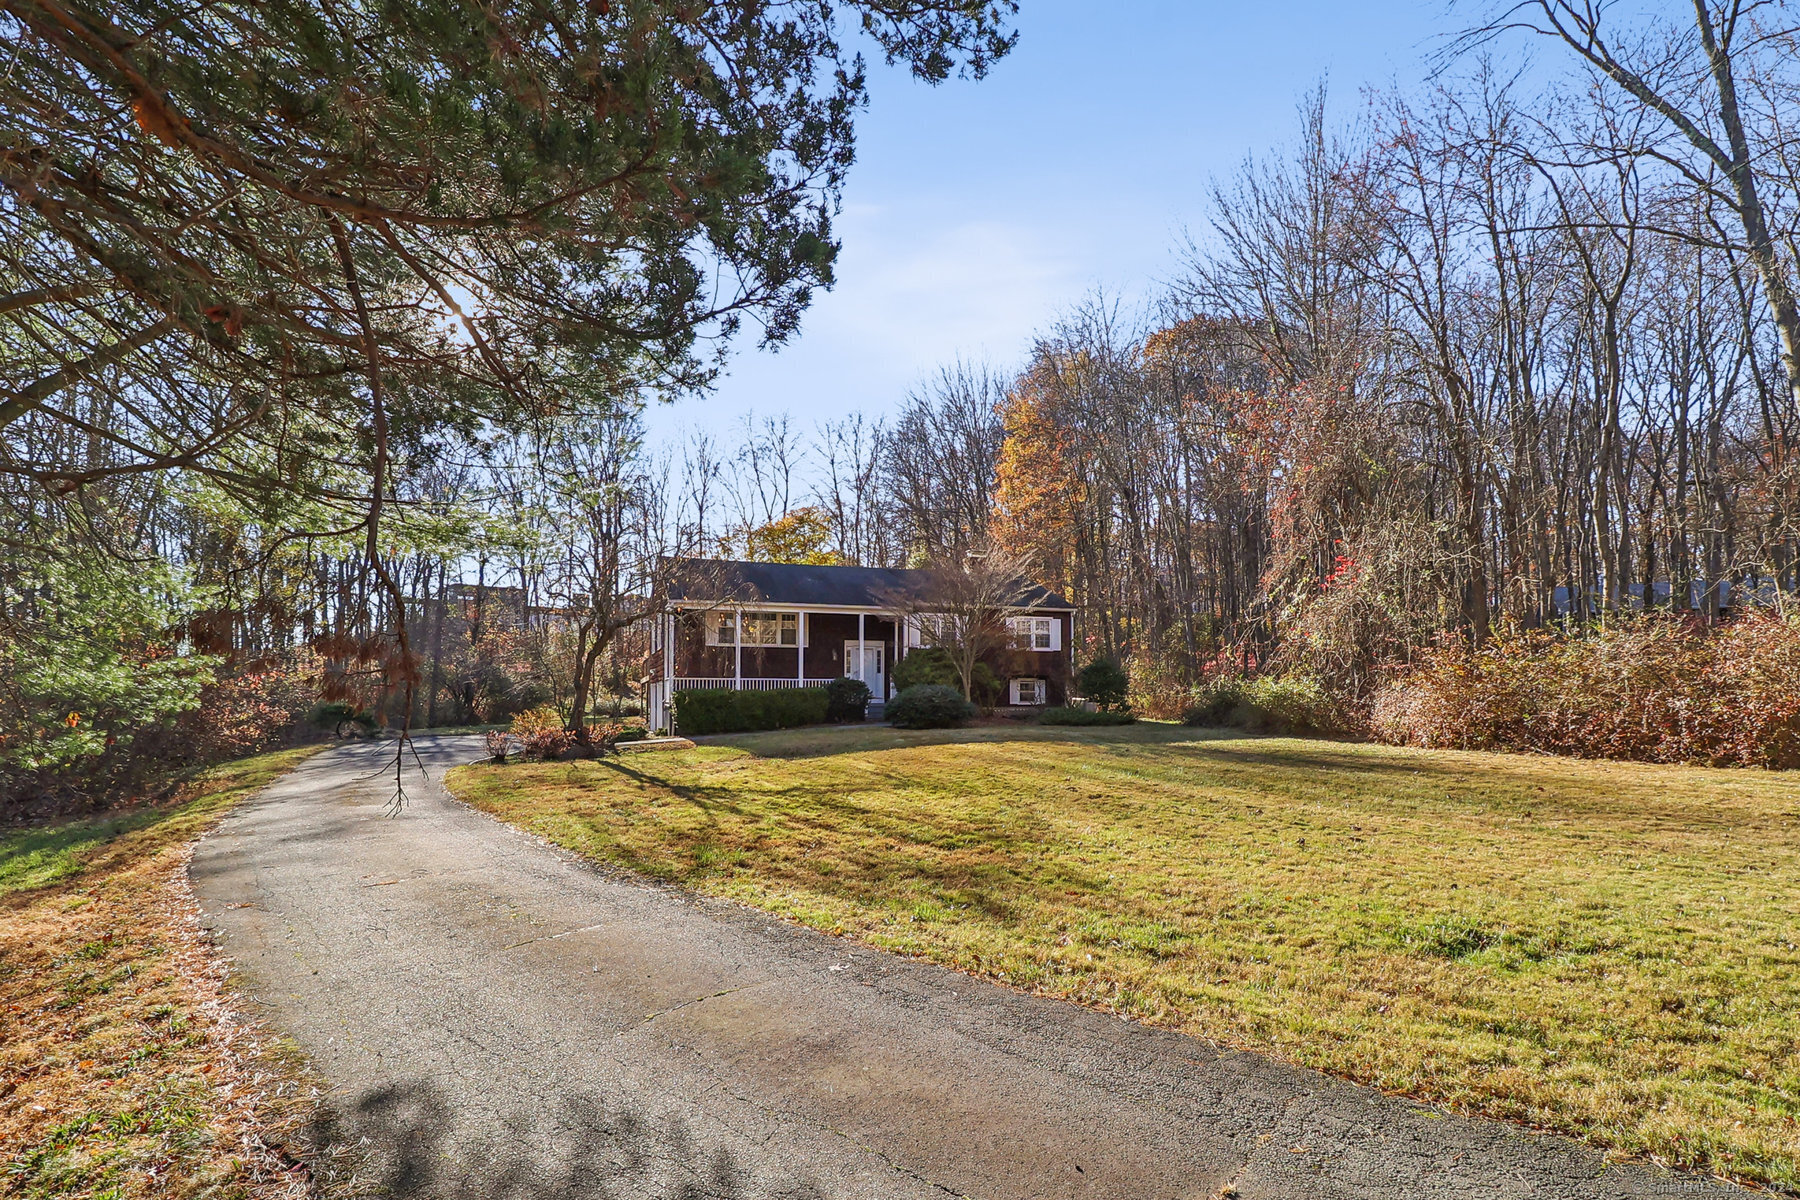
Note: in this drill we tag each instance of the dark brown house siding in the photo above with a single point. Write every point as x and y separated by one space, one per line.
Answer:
825 648
1052 666
826 634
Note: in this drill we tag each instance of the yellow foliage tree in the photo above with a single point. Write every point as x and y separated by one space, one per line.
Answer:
1037 490
802 536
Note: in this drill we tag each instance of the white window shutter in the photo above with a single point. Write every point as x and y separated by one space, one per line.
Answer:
1056 633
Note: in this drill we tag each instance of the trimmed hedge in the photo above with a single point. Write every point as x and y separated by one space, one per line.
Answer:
1081 716
929 706
721 710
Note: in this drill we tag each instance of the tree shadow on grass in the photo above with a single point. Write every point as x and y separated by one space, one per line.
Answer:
826 743
965 859
706 797
1202 744
410 1140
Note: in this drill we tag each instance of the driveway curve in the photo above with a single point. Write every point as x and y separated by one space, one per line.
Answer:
499 1019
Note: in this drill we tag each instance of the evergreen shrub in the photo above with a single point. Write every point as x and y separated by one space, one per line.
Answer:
926 665
1291 703
847 699
936 665
929 706
1103 681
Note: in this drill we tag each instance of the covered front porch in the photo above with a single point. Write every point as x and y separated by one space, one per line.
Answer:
771 646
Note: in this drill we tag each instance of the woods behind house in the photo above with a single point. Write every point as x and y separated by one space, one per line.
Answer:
1471 410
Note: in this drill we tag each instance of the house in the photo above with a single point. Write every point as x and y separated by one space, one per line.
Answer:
774 625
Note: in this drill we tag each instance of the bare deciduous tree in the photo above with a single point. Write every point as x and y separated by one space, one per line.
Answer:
963 604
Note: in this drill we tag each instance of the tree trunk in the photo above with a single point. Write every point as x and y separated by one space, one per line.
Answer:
437 648
1757 243
586 654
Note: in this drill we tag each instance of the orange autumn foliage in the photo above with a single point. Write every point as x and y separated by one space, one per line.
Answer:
1037 489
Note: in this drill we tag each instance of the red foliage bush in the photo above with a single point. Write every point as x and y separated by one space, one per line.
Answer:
1653 688
540 733
241 712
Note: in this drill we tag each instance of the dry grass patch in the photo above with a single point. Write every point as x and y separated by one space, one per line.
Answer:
123 1073
1604 948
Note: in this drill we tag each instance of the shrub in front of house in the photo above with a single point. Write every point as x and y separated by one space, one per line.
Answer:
722 710
847 699
1081 716
616 708
928 665
929 706
1104 682
934 665
988 689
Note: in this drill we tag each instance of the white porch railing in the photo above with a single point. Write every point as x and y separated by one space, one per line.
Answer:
727 683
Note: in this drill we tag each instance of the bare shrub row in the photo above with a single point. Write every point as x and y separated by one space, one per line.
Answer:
1650 688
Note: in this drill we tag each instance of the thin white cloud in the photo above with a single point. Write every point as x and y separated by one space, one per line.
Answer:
912 295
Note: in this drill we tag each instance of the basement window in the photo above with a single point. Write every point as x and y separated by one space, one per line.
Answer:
1028 691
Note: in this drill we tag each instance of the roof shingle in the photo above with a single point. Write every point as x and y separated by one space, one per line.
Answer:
712 580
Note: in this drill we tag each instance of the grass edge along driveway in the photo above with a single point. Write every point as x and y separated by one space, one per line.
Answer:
1607 949
122 1073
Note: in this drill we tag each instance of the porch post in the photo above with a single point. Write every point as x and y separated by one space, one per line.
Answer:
737 649
666 688
800 646
862 651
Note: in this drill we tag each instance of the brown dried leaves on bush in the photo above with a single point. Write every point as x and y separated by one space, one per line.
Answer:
1651 688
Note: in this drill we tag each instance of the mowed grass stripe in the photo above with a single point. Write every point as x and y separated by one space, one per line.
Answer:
1604 948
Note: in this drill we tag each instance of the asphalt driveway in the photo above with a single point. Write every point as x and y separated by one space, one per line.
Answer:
498 1019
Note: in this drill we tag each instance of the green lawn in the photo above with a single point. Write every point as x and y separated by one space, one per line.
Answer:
1604 948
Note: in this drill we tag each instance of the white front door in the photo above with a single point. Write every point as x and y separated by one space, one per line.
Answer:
872 666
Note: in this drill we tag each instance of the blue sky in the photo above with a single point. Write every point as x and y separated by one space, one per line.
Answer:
977 212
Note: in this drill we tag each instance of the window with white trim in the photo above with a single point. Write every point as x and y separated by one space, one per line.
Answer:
1028 691
771 629
932 629
1035 633
760 629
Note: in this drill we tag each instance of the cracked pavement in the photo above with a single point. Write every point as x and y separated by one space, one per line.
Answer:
498 1019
